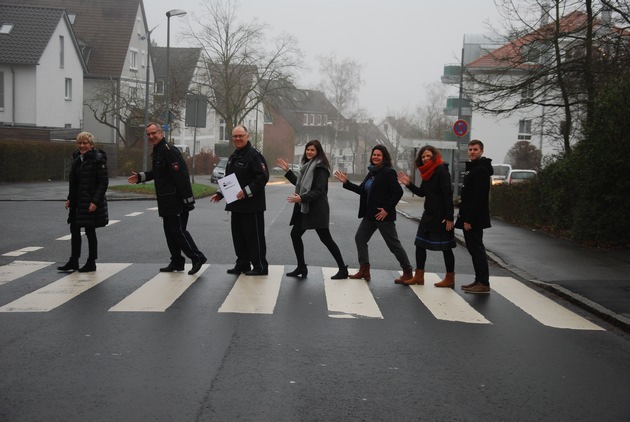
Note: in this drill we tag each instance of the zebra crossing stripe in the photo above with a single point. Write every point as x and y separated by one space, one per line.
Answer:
349 298
541 308
61 291
23 251
18 269
159 293
254 294
446 304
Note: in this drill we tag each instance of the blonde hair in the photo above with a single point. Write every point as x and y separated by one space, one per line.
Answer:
86 136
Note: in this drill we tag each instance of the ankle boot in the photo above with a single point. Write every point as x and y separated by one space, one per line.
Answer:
406 276
71 265
449 281
341 274
300 271
89 266
364 273
418 278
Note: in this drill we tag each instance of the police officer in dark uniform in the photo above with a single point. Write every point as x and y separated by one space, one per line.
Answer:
175 200
248 211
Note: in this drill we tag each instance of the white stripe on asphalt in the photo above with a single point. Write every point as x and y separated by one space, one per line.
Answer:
445 303
18 269
159 293
539 307
254 294
23 251
134 214
61 291
349 298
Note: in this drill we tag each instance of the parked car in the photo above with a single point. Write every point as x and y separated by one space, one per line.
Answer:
518 176
500 173
219 170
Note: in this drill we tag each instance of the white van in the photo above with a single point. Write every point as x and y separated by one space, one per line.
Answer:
219 170
501 172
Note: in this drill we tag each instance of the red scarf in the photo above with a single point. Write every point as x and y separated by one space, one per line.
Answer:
426 170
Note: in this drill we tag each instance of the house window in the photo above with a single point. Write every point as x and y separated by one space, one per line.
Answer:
159 87
222 134
325 119
133 59
311 120
1 90
525 130
144 59
319 120
268 117
61 52
68 94
305 122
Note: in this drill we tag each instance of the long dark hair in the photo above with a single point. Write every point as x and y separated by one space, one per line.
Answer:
387 159
320 152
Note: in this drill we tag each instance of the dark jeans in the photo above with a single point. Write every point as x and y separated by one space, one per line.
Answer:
474 244
179 240
90 233
248 236
390 236
324 236
449 259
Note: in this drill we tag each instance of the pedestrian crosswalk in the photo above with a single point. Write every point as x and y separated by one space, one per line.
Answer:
344 299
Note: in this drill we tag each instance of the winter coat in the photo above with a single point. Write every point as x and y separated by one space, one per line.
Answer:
171 179
88 184
385 193
251 171
318 216
474 208
438 203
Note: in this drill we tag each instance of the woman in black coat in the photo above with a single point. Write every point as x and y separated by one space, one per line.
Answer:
86 200
435 230
379 193
311 209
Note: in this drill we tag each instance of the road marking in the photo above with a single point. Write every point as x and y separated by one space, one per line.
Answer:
152 209
112 222
61 291
445 303
159 293
67 237
18 269
134 214
349 298
539 307
254 294
23 251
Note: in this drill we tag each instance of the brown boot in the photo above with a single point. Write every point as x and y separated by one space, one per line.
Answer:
406 276
418 278
364 273
449 281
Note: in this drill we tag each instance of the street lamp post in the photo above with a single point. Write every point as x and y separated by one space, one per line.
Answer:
146 101
174 12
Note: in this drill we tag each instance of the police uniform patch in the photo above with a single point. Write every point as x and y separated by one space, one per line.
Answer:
175 166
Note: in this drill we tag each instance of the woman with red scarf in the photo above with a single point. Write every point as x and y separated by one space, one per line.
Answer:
435 230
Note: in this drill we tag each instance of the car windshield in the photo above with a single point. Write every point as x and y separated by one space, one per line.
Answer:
500 170
522 175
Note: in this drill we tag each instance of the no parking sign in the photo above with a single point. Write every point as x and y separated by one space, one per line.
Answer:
460 128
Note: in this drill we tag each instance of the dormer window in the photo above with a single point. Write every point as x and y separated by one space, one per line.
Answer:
6 28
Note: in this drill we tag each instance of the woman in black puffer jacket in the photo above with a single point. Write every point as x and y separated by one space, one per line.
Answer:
86 200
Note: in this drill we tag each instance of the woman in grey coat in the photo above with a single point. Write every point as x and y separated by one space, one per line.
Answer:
311 209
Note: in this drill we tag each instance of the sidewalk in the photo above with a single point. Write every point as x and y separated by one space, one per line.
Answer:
596 279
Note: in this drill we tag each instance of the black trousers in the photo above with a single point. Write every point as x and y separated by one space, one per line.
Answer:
179 239
476 249
248 236
90 233
324 236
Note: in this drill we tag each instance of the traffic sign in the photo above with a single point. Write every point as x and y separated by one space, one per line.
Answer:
460 128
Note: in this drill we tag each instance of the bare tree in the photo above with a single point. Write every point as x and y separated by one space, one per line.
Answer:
241 67
524 155
120 106
558 53
431 121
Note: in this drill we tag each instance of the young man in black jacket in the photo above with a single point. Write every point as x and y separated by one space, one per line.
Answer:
474 214
175 200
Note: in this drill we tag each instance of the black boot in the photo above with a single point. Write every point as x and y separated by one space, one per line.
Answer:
300 271
341 274
71 265
90 266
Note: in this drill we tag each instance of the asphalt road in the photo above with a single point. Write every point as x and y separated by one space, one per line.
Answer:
301 362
